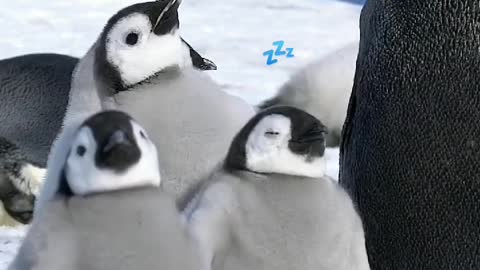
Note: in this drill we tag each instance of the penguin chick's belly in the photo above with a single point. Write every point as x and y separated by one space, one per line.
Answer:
192 126
147 233
130 229
315 226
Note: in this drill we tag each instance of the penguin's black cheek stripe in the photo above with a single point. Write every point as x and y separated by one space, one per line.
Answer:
63 186
107 76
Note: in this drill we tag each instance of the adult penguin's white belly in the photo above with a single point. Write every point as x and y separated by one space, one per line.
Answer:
190 119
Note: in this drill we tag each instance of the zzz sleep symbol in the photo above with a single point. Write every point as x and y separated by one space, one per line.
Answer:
278 52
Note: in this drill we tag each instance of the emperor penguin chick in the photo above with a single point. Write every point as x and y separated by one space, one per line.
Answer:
270 206
107 211
142 66
322 88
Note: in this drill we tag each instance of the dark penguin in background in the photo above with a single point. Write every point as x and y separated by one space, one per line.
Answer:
34 94
19 183
410 153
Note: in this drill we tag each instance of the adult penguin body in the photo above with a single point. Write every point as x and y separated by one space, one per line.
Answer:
34 93
410 151
271 206
322 88
142 67
106 176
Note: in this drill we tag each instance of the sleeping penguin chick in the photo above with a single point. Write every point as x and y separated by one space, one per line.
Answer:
270 206
108 211
20 182
322 88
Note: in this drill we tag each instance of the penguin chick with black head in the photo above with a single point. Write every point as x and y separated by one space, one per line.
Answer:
139 42
143 67
107 211
110 152
270 206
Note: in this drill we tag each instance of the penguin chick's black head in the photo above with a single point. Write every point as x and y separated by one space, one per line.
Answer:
159 25
277 137
109 151
139 42
117 148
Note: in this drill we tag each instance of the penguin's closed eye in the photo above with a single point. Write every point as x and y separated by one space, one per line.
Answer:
271 133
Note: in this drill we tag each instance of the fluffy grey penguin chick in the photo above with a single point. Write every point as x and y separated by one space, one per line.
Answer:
142 67
271 206
107 211
20 181
323 89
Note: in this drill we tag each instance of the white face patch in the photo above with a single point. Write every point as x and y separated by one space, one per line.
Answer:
267 150
150 53
84 177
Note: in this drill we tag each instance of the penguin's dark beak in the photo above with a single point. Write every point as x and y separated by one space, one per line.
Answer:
119 152
118 139
313 135
198 61
311 143
204 64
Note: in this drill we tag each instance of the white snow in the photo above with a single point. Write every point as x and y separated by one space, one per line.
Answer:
232 33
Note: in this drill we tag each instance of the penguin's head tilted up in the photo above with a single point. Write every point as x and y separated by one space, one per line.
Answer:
140 41
110 151
280 140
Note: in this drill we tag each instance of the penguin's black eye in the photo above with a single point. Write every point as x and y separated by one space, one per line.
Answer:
81 150
143 135
132 39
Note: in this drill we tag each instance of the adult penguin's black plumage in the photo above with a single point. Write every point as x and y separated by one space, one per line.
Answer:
410 153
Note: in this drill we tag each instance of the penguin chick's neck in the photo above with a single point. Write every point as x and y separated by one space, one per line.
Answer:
119 69
261 176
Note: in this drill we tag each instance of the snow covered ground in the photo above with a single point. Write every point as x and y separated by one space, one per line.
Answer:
232 33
